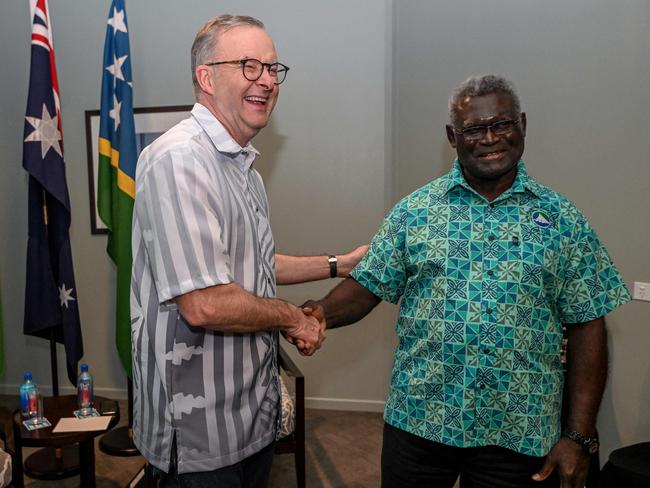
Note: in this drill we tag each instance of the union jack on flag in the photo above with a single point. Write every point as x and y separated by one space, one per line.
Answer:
50 290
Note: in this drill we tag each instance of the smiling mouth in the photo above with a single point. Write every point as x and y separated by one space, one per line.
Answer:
258 101
491 156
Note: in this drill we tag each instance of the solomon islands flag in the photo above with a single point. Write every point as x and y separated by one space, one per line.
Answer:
117 160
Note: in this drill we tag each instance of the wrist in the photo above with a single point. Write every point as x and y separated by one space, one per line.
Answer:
333 262
588 442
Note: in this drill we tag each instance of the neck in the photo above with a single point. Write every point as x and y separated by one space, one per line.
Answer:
491 189
240 139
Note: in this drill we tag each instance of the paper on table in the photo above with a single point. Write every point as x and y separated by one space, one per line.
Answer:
73 424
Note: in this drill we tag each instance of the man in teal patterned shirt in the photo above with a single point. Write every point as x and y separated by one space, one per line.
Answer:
489 265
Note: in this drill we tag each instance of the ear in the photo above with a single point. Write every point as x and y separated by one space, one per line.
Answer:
451 135
523 123
205 78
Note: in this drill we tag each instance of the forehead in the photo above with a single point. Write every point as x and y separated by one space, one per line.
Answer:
246 42
485 107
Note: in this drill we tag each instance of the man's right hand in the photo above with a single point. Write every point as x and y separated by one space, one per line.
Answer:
308 333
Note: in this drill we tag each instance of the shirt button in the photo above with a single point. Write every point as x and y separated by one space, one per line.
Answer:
491 237
486 350
482 386
489 310
490 272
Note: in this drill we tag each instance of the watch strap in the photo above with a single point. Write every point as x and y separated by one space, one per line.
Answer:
332 261
589 444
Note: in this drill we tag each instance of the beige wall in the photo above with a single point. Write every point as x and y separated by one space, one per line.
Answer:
582 72
323 160
358 125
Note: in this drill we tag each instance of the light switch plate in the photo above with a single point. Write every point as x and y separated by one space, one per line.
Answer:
642 291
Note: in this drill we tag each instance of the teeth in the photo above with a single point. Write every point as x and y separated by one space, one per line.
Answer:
256 99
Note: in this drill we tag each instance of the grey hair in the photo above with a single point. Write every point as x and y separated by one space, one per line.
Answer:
206 38
476 86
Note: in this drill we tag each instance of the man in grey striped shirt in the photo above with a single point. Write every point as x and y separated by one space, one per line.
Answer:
205 321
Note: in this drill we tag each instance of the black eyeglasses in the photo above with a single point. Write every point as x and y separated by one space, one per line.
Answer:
253 69
478 132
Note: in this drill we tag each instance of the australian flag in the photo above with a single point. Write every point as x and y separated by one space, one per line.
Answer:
50 290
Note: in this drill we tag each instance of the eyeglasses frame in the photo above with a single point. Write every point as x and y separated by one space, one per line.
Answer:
242 63
489 127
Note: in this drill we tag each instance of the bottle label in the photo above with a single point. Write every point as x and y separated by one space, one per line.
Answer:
85 395
33 403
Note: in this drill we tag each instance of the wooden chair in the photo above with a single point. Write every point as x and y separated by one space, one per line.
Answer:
7 459
294 442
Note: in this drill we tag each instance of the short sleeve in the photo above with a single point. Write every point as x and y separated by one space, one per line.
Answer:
182 225
383 269
592 286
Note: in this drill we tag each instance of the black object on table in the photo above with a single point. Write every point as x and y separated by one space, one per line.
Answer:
60 458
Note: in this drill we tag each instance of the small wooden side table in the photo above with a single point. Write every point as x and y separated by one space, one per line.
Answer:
54 408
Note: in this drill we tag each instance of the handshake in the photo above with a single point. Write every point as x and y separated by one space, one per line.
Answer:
308 333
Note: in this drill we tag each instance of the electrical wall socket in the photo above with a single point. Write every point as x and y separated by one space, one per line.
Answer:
642 291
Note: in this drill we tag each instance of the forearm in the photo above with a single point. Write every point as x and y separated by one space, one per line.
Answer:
347 303
290 270
230 308
586 374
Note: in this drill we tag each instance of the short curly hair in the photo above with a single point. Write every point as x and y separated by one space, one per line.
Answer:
476 86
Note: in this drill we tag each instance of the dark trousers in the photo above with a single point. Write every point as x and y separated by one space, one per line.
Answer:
252 472
410 461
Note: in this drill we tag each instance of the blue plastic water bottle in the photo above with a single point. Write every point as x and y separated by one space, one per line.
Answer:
29 398
85 391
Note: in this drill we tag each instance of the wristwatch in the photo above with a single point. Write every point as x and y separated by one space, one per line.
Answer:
331 260
589 444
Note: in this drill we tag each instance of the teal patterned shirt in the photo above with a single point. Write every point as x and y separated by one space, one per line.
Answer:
485 289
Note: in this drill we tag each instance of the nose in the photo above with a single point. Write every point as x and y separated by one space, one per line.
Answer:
266 80
489 137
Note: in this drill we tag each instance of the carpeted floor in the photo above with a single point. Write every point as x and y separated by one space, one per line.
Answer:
342 451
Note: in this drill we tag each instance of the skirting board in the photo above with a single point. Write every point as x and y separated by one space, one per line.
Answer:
345 404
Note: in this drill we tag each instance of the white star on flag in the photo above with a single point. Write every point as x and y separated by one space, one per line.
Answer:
115 111
117 21
116 68
46 131
65 295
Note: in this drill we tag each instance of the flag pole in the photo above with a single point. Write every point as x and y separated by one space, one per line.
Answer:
53 359
53 364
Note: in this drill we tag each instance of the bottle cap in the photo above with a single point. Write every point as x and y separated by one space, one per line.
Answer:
27 376
84 368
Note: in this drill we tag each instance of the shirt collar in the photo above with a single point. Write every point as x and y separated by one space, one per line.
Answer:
221 139
522 181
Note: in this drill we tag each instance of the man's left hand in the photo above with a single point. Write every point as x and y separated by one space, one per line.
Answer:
571 462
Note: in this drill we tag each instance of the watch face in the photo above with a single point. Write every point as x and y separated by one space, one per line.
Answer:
593 447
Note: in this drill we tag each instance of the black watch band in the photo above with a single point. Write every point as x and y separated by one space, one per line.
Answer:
331 260
589 445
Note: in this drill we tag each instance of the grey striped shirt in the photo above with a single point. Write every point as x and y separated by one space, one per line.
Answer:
200 219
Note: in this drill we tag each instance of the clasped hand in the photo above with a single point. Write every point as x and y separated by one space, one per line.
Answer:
309 333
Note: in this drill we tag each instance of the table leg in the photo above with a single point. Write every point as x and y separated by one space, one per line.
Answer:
17 471
87 463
